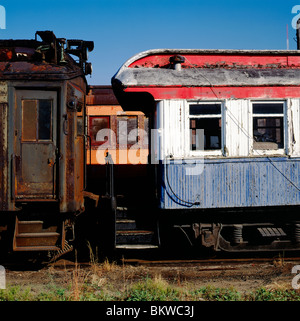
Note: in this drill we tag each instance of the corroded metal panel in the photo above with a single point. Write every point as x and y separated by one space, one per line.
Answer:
4 161
101 95
3 92
35 145
74 150
3 158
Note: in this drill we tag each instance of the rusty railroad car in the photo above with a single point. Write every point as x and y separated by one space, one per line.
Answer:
42 140
188 147
226 157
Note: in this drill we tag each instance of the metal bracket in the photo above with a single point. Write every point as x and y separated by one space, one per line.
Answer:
209 234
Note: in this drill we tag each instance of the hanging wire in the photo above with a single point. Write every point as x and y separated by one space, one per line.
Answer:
188 203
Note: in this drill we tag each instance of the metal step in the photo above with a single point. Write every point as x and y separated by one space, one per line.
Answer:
128 235
34 227
136 246
30 236
36 239
36 248
122 212
125 224
271 231
134 237
30 226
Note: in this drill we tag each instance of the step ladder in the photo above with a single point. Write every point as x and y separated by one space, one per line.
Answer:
31 236
129 236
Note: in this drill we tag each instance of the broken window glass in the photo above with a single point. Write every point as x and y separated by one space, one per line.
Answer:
205 119
268 126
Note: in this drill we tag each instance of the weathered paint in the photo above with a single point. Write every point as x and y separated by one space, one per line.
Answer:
101 95
172 121
221 92
119 157
252 77
3 158
42 139
230 183
35 179
236 175
101 101
160 58
39 75
73 152
211 74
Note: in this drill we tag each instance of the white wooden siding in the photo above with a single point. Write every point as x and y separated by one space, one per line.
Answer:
237 128
294 127
237 133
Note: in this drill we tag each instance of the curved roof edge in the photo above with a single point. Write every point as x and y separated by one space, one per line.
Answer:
209 51
150 52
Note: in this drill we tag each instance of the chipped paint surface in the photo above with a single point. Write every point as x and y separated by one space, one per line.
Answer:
235 175
207 74
3 158
221 92
36 168
3 92
101 102
217 58
244 182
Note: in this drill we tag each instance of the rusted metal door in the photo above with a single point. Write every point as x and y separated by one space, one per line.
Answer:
35 144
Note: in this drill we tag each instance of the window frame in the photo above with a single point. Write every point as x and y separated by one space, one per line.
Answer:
36 121
279 151
113 140
211 152
128 144
95 143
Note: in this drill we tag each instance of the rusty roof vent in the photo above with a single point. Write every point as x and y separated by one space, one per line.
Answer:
48 48
53 49
176 61
80 49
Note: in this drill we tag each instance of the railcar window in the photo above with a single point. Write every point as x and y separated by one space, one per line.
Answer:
126 124
97 124
205 118
203 109
36 120
45 116
29 116
268 126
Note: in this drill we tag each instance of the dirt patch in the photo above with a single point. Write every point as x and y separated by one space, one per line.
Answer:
66 275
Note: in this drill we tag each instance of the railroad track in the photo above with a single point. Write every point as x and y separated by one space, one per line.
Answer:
201 263
209 261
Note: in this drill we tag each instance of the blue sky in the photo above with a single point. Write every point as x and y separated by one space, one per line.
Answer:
122 28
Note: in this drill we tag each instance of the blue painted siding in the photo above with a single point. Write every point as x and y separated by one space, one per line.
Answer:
231 183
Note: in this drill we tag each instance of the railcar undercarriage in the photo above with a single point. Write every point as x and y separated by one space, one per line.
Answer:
282 233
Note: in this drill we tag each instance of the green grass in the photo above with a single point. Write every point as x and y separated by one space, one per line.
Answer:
263 294
147 289
152 290
210 293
